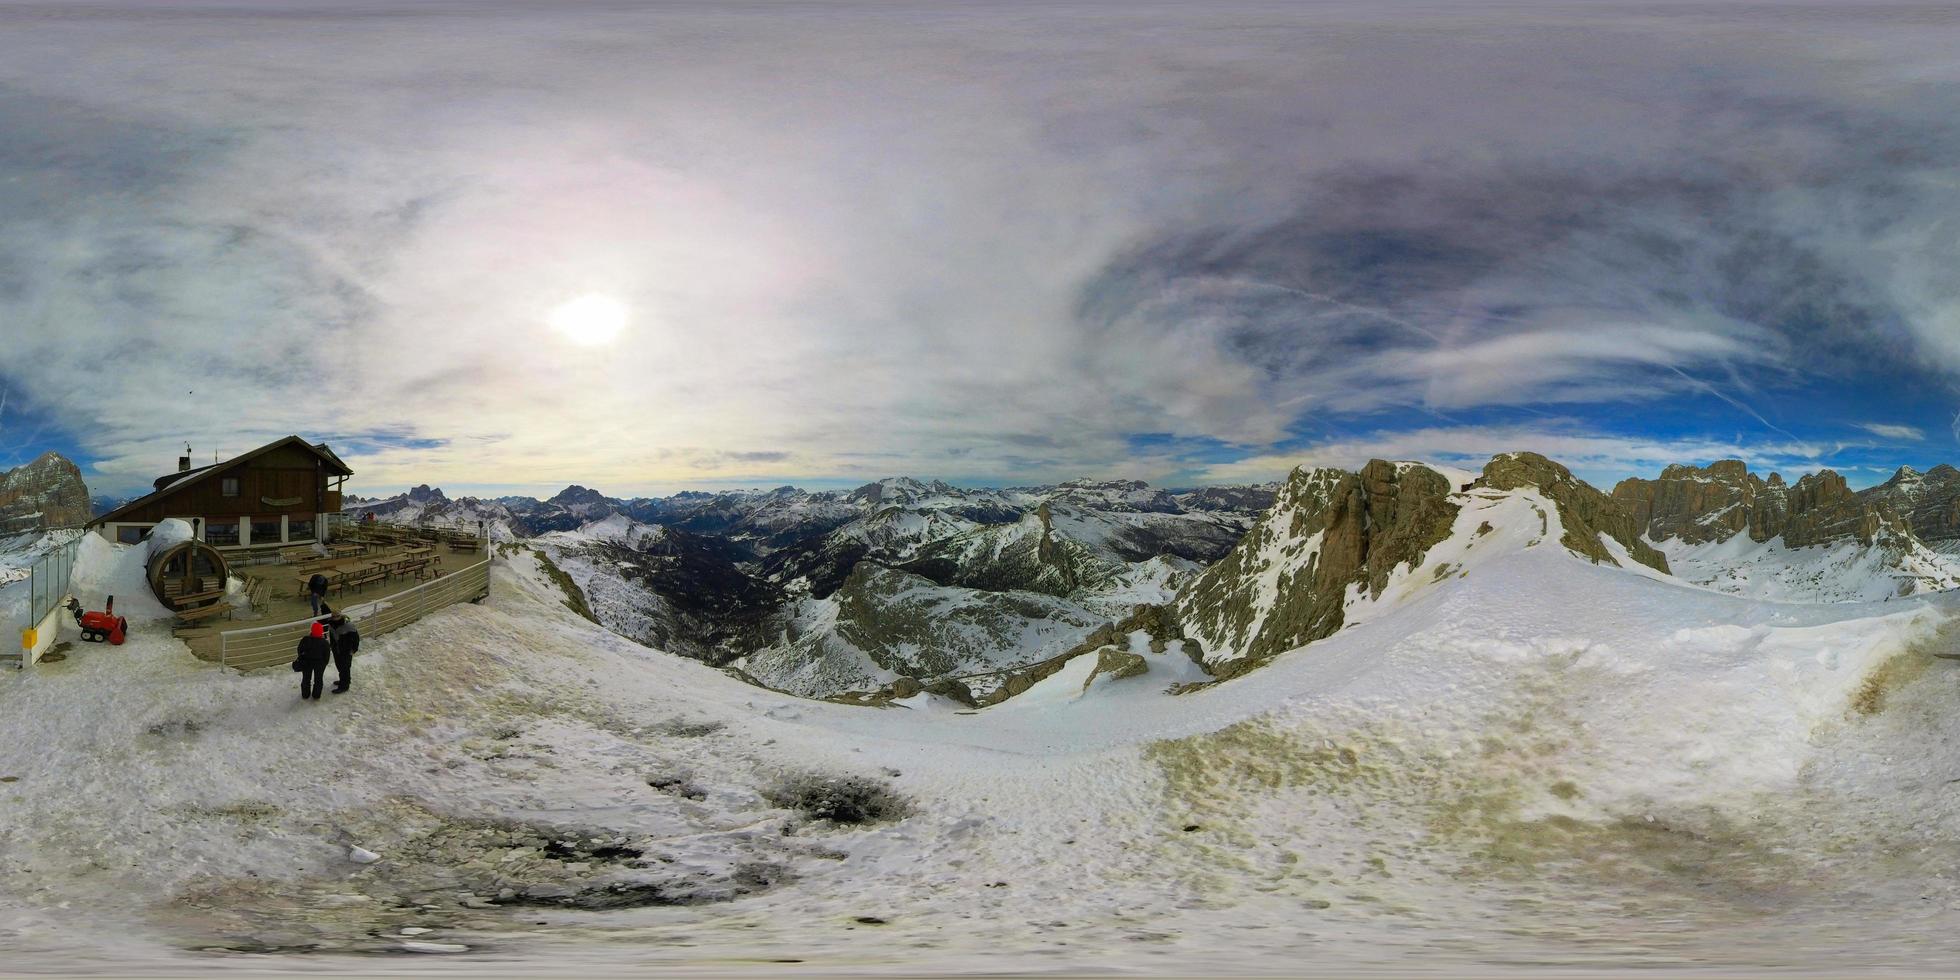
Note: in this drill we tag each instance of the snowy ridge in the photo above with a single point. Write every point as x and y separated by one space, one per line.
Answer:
613 529
1895 566
886 624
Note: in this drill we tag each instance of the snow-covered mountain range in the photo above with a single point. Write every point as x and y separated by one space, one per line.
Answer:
973 593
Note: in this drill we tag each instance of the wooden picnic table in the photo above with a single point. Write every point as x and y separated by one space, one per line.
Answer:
417 551
332 570
346 550
361 573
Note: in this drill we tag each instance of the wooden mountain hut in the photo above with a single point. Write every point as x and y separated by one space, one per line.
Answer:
278 495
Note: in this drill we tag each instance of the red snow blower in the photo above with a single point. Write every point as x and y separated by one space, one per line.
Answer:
99 626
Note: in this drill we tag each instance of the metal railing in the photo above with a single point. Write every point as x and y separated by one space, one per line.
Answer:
48 580
268 646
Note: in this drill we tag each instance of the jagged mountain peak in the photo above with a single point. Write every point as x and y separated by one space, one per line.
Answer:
576 494
424 494
45 492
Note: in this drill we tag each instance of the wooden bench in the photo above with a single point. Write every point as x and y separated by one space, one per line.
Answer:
175 593
372 575
258 592
200 598
201 613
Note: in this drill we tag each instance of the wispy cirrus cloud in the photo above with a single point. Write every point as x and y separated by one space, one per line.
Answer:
1907 433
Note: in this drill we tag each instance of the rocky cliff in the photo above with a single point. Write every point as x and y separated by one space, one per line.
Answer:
1586 512
47 492
1928 503
1329 531
1698 505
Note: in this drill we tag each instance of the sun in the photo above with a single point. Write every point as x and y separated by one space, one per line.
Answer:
592 320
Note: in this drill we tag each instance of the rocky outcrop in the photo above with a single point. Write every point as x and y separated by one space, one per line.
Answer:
1928 503
1698 505
1287 583
1695 505
1118 664
1823 508
1583 509
47 492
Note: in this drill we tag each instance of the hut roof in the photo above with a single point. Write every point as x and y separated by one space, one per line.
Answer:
168 485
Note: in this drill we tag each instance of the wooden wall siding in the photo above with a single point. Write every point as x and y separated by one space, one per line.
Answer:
277 475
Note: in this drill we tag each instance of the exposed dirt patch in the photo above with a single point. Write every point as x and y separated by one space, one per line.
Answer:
679 786
839 799
1885 679
683 729
176 728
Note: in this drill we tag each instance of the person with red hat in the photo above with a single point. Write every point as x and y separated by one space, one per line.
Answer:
311 663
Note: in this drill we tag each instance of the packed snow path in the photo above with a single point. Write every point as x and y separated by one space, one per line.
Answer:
1544 763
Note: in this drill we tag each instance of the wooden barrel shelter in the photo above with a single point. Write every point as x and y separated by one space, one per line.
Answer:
188 575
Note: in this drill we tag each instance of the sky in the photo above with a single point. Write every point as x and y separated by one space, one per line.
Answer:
990 243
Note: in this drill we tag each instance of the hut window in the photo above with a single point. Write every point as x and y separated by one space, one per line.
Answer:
298 529
131 535
221 533
230 486
265 530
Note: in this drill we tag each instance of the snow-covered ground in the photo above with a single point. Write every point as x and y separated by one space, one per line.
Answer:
612 529
1542 763
1842 571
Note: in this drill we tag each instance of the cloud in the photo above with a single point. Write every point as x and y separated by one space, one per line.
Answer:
1902 432
989 244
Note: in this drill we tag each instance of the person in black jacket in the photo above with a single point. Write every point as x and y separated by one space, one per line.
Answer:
346 640
312 662
316 591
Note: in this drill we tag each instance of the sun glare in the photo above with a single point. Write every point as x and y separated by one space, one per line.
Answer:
591 320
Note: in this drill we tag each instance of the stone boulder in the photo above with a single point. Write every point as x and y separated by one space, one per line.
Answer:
1118 664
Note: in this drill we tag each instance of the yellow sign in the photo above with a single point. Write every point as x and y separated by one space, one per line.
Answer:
27 638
